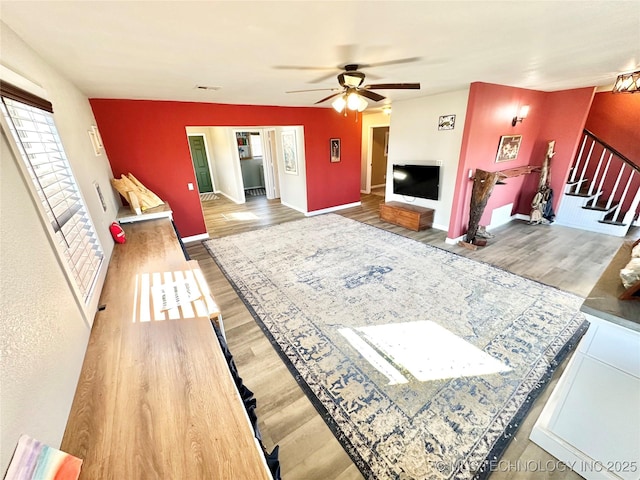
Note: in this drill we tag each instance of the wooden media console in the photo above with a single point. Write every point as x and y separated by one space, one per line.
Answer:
407 216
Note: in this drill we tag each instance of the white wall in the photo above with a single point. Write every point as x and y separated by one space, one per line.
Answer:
293 188
369 120
43 331
414 138
223 149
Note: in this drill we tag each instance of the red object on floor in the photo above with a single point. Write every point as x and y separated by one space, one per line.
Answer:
117 233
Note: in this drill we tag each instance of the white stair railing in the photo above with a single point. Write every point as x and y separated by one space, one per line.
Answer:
618 191
575 167
615 187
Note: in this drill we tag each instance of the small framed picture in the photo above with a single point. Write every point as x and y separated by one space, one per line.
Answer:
335 149
290 152
508 148
446 122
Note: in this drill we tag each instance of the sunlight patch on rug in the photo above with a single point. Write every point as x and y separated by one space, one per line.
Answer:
424 349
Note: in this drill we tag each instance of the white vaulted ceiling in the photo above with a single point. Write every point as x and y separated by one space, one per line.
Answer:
163 49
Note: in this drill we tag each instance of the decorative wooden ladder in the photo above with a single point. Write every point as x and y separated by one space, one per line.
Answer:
602 193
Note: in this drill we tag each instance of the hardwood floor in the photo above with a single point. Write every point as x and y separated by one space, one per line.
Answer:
569 259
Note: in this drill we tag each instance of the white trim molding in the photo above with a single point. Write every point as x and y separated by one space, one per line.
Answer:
332 209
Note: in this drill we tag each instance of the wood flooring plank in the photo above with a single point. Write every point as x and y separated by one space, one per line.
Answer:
565 258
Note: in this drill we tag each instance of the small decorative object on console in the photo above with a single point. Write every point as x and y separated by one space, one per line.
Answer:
630 275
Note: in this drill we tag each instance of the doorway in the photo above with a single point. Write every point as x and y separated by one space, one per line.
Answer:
200 159
258 166
379 150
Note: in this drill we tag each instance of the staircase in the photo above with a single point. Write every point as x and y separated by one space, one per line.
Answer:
602 193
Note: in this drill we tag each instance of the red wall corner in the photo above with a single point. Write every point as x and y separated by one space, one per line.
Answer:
490 110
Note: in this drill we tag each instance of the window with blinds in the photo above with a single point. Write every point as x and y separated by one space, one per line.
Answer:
31 124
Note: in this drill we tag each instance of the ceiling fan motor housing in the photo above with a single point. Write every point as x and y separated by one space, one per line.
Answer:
351 79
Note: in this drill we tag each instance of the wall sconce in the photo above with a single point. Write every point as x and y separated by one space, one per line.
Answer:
627 83
522 114
386 109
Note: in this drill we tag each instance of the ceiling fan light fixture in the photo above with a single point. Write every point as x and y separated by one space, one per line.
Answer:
339 104
356 102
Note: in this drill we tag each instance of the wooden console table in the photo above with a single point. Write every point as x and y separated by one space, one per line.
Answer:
155 398
592 419
407 216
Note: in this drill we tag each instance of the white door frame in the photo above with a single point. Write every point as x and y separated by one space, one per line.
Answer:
270 164
370 154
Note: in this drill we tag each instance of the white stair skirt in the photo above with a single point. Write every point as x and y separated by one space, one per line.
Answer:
571 214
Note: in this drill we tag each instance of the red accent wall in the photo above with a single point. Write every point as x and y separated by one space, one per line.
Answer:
148 139
556 116
615 119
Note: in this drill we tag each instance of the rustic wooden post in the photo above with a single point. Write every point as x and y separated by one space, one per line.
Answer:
483 183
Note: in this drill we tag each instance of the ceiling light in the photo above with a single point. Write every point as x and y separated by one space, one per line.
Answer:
522 114
356 102
627 83
339 104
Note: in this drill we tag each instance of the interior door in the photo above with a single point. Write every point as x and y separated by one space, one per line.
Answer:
270 165
200 164
379 156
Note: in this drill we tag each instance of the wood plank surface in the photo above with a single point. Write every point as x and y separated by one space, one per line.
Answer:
566 258
156 399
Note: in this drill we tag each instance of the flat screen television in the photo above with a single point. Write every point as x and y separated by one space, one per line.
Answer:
422 181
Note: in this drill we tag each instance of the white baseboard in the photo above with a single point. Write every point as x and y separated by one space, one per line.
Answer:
195 238
292 207
238 202
453 241
497 220
333 209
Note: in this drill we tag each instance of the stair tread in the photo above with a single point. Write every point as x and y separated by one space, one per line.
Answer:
611 222
601 206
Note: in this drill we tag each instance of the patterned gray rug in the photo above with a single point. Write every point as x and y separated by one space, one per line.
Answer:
421 361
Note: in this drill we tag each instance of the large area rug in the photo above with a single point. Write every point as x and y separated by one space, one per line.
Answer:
421 361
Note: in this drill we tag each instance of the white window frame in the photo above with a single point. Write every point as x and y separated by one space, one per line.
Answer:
85 299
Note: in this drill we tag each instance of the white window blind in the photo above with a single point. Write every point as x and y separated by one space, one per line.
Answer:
37 139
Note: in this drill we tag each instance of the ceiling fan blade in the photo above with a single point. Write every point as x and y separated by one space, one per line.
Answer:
300 67
390 62
393 86
314 90
328 98
376 97
325 77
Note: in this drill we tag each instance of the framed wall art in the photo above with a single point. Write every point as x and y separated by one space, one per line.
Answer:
335 150
290 152
508 148
446 122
